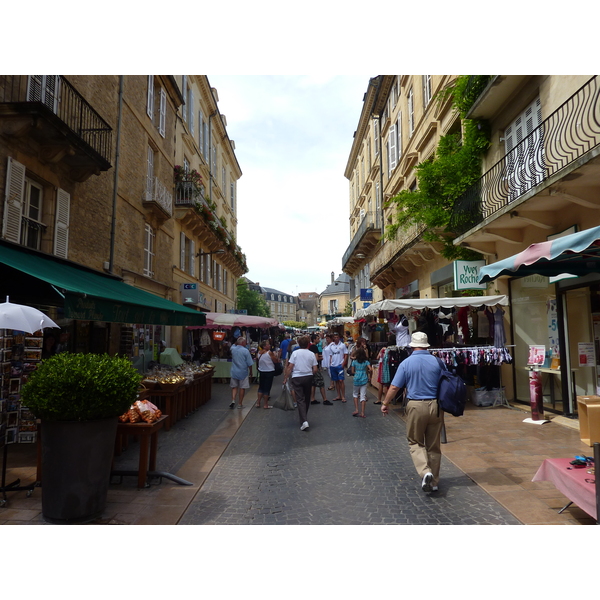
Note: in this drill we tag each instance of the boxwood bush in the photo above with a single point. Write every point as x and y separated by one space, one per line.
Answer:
81 387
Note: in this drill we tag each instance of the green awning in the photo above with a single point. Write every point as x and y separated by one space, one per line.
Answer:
93 296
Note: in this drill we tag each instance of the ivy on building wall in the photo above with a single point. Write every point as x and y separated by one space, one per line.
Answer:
441 180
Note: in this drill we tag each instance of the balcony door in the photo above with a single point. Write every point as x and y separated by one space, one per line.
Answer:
523 140
45 89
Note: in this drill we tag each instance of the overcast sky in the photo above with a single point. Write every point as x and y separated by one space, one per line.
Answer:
293 135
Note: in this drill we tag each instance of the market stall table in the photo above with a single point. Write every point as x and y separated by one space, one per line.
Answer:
576 484
222 369
148 436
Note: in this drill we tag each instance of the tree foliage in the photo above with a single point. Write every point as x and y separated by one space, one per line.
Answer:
251 300
455 166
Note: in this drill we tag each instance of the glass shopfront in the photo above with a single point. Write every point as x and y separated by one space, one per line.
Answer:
535 318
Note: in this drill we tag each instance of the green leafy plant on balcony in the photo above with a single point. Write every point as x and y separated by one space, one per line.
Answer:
441 180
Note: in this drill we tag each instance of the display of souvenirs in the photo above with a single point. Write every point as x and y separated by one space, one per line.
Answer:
20 354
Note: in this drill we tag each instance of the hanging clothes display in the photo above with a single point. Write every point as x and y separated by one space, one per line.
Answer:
499 335
483 324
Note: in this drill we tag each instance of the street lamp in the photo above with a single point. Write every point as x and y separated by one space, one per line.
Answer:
219 251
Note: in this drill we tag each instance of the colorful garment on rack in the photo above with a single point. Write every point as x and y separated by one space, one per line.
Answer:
486 355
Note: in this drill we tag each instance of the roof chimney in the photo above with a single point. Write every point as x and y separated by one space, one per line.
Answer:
332 276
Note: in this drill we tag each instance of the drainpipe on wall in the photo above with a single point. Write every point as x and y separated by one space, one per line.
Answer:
111 260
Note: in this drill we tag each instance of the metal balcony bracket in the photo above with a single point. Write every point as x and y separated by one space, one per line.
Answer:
534 219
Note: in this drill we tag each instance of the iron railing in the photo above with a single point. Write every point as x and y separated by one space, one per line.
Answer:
370 221
566 135
393 249
187 193
157 192
55 94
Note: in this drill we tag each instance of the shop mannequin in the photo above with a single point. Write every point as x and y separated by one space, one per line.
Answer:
399 328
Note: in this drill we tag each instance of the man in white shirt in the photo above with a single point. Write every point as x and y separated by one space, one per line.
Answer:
338 357
302 365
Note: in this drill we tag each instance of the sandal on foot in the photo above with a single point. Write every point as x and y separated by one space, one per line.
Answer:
377 402
355 414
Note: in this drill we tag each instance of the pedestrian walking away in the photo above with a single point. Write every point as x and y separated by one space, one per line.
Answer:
338 357
266 368
302 365
241 364
318 381
361 370
420 374
327 358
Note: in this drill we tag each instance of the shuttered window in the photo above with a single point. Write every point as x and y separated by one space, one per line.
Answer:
149 173
200 131
411 113
182 251
163 113
392 157
191 111
45 89
61 223
13 201
150 98
399 136
523 140
192 258
148 251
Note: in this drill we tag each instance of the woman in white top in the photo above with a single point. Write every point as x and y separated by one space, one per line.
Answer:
266 369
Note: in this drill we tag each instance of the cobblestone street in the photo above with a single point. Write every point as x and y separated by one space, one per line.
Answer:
343 470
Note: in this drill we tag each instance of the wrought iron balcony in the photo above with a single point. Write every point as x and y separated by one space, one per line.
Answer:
564 137
50 109
187 193
364 240
157 194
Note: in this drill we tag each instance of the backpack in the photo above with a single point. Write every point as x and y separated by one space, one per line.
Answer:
452 392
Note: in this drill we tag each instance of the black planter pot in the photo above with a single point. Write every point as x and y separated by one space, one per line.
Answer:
76 465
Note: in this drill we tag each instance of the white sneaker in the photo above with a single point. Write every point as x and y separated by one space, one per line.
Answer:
304 426
434 488
426 483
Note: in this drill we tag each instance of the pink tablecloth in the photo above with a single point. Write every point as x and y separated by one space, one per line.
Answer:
571 482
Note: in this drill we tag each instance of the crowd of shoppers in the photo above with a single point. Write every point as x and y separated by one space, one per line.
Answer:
304 361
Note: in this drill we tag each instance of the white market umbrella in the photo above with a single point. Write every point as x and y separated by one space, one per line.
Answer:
23 318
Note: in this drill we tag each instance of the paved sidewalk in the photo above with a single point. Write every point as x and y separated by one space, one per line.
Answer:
256 466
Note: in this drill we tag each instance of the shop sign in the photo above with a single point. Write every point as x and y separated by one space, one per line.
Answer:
534 281
189 293
466 275
366 294
238 311
366 304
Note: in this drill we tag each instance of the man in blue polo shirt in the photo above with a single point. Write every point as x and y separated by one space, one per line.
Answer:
420 374
284 346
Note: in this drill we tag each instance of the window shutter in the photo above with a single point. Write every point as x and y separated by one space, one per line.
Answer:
399 136
392 138
61 224
192 112
200 126
13 203
163 112
182 251
192 258
184 93
150 100
149 173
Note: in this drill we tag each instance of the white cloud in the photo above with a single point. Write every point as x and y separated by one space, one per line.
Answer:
293 140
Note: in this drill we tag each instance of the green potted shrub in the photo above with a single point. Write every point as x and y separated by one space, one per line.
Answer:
78 398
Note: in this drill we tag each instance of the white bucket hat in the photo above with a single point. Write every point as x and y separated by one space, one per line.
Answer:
419 340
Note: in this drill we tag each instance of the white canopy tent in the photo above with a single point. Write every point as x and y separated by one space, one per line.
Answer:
422 303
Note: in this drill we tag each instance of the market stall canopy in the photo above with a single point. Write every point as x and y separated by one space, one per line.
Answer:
422 303
93 296
341 321
575 254
228 321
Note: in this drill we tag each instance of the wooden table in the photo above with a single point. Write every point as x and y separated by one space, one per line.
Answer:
148 436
